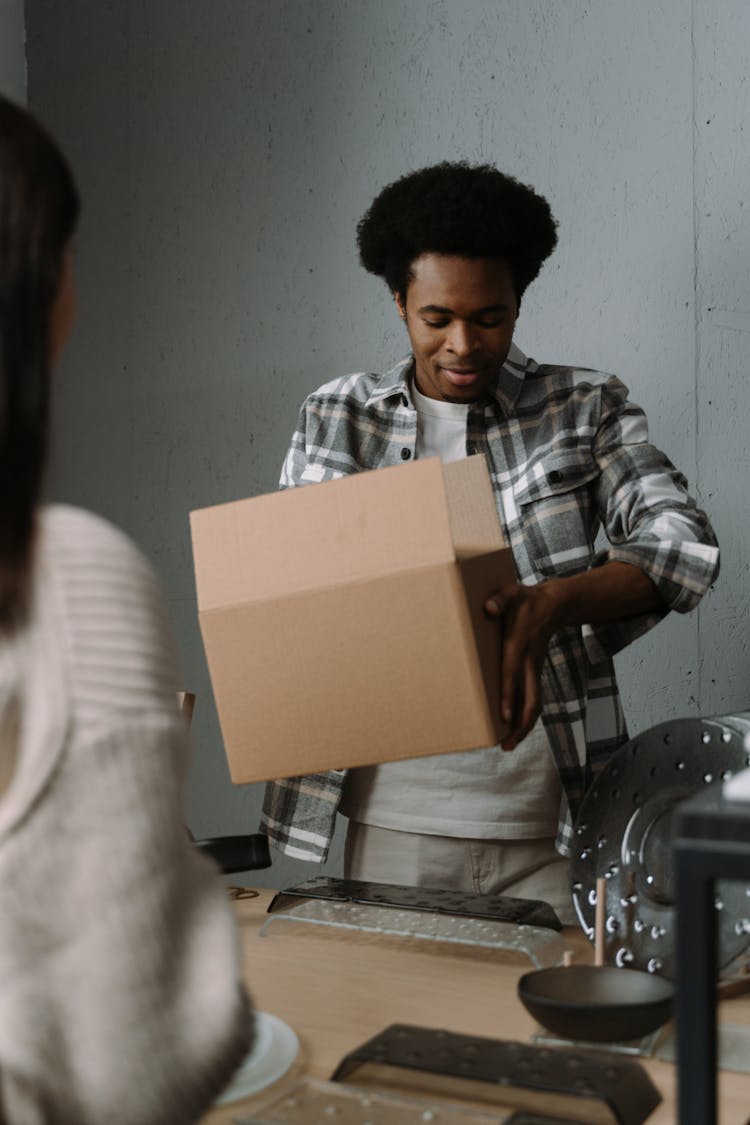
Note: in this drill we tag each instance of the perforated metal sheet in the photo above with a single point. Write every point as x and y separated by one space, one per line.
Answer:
733 1046
314 1102
544 948
624 834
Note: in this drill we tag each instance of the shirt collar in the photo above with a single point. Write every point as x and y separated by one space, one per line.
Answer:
395 382
504 390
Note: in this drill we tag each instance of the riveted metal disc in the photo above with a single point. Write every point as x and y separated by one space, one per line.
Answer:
624 834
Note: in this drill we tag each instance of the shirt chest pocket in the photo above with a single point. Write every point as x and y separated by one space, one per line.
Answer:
556 511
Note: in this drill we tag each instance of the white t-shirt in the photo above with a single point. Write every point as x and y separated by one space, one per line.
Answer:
487 794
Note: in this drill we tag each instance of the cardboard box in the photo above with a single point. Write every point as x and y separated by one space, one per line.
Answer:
343 622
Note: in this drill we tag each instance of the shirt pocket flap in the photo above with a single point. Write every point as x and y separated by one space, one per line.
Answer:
554 474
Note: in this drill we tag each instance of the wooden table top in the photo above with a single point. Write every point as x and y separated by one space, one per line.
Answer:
338 988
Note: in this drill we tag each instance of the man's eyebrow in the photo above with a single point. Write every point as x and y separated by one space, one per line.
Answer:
449 312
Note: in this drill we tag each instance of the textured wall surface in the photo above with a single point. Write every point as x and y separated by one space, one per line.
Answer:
225 152
722 308
12 53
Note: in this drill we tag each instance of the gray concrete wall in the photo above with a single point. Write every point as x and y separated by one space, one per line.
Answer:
12 50
225 152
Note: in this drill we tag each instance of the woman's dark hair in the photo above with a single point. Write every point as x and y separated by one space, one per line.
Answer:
473 211
38 213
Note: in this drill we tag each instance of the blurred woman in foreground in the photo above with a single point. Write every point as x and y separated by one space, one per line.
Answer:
120 999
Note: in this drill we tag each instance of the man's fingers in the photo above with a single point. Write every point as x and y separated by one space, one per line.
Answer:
525 704
509 675
531 700
519 676
494 605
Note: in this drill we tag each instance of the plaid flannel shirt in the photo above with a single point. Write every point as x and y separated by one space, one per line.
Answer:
568 457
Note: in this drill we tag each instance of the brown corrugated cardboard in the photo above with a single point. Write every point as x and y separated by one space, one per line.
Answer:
343 622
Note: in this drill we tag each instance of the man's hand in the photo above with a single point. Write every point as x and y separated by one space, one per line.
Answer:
529 615
528 618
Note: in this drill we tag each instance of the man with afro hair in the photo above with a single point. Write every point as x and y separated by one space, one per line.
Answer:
568 455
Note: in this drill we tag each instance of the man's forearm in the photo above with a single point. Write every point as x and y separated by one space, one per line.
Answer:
606 593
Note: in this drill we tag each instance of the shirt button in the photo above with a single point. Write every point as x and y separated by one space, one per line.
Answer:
554 476
405 454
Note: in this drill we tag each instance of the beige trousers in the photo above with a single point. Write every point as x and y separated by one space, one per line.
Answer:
519 868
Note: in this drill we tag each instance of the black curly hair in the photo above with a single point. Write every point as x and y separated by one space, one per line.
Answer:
473 211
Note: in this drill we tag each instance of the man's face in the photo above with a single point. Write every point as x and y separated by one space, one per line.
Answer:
460 314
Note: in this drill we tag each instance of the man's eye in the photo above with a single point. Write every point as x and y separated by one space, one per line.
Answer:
436 323
494 323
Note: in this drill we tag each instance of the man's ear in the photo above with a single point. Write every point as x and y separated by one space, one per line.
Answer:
400 305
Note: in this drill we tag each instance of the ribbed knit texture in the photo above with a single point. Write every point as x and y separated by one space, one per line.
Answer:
120 1001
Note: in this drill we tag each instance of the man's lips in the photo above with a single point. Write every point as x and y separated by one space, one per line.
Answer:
461 376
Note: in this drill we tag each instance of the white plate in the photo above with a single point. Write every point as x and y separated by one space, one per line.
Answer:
275 1048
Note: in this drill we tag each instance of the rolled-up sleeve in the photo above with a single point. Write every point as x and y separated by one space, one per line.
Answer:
649 519
296 457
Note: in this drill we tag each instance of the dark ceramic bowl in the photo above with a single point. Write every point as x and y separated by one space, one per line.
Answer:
598 1005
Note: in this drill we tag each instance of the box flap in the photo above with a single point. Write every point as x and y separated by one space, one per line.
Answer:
354 528
475 526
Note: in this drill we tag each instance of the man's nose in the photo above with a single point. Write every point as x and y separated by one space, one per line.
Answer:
461 340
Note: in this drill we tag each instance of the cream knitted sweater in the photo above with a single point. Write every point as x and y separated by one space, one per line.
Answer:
120 1001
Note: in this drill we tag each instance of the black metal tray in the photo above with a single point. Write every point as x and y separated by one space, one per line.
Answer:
537 1080
519 911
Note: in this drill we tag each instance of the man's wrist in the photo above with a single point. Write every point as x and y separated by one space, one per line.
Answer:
557 593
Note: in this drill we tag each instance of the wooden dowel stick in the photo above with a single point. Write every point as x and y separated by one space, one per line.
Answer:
601 905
